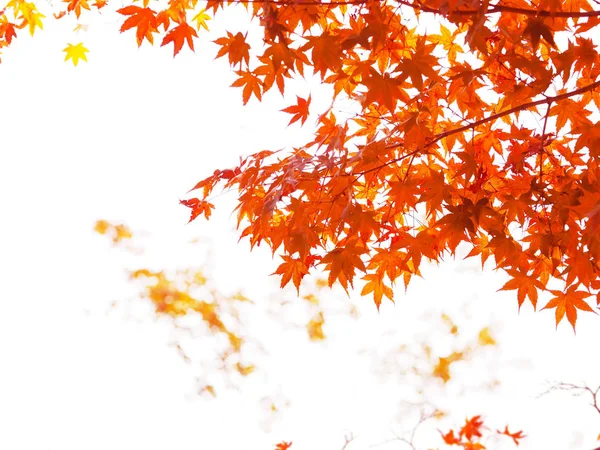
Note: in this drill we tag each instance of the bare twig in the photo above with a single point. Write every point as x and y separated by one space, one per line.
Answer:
578 390
347 439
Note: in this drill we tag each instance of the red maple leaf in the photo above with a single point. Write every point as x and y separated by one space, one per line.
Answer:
300 110
198 207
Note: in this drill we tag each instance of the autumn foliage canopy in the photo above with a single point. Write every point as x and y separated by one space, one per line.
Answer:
455 127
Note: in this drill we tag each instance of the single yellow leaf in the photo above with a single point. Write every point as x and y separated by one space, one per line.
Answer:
75 53
201 19
485 337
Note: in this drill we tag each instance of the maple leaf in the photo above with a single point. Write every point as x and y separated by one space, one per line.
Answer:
342 262
537 29
569 110
283 445
569 302
326 52
235 47
515 436
201 18
448 41
143 19
472 428
198 207
383 89
299 110
251 84
178 35
7 30
76 5
526 285
30 15
75 53
421 63
376 285
450 438
291 269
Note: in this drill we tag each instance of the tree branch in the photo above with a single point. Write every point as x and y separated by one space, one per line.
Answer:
499 115
461 12
472 126
523 107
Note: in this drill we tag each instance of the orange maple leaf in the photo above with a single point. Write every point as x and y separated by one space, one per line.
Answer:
300 110
515 436
283 445
326 52
178 35
143 19
377 286
251 84
472 428
526 285
76 5
342 262
291 269
569 302
450 438
235 47
537 29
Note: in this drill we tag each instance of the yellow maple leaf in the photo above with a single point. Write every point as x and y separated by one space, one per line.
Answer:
31 16
201 19
75 53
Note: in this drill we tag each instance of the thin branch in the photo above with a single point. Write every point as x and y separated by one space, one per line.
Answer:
347 440
523 107
472 126
578 390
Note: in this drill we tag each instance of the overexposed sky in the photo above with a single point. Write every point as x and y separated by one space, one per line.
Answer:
123 137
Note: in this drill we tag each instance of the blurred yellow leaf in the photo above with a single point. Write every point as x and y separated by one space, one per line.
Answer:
310 298
117 233
80 27
315 328
442 368
448 321
244 370
485 337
